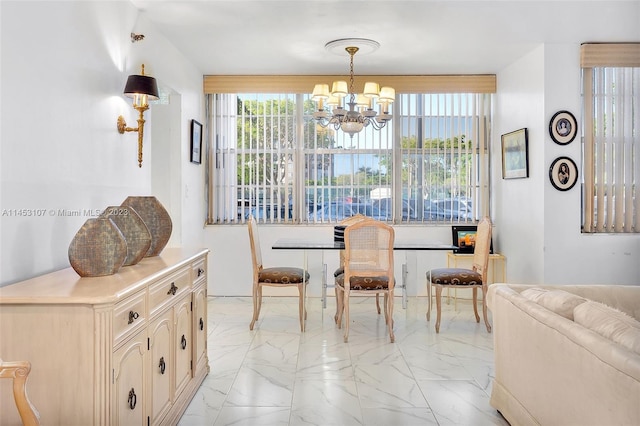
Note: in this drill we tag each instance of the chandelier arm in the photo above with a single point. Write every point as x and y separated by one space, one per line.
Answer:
376 124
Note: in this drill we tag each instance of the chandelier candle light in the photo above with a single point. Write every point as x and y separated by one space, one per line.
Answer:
361 112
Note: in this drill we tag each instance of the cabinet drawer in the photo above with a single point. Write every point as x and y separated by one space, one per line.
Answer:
128 315
199 270
166 290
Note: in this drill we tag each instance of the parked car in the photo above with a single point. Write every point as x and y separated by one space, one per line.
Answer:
450 209
382 209
266 212
335 212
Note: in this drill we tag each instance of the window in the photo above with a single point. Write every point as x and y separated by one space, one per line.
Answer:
269 159
611 97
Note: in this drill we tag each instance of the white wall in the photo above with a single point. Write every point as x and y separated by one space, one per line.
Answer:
570 256
518 204
64 65
539 226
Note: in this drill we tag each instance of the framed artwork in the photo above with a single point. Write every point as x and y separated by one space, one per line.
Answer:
196 142
563 127
464 236
563 173
515 154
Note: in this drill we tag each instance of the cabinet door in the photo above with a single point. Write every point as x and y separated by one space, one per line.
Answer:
161 365
129 381
200 326
183 343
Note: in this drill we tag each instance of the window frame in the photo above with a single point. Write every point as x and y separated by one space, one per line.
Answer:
611 158
300 188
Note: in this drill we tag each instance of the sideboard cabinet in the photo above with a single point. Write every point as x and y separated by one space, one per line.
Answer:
124 349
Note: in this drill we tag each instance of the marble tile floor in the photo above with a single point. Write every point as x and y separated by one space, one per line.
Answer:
275 375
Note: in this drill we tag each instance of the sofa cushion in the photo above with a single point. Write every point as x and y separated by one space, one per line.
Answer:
610 323
559 301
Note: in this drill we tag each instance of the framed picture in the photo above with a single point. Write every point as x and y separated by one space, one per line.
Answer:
196 142
515 154
563 127
563 173
464 236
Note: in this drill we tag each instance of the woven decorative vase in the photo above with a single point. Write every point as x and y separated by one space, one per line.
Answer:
156 218
98 248
133 229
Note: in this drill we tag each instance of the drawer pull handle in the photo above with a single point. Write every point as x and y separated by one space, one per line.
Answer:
133 316
173 289
162 365
132 399
183 342
200 272
201 324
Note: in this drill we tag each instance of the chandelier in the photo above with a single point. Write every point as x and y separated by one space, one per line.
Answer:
360 112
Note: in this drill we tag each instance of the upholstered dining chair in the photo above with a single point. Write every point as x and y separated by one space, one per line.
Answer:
19 372
279 276
368 268
474 278
340 270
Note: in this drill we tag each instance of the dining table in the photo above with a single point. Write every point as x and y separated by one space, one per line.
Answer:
327 244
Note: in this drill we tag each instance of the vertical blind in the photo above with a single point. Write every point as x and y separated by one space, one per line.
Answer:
269 159
611 96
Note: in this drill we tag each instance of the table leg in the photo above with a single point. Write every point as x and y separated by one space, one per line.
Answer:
324 283
404 286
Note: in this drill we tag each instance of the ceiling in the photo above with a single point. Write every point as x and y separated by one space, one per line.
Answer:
280 37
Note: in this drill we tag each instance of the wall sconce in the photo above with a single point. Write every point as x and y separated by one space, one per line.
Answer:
141 88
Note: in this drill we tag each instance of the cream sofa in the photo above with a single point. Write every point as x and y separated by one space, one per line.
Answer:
553 363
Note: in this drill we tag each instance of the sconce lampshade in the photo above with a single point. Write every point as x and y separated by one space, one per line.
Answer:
141 85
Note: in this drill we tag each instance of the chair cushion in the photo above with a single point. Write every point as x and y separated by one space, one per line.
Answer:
282 275
455 276
364 283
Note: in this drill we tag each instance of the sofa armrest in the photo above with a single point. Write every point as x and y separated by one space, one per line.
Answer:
550 370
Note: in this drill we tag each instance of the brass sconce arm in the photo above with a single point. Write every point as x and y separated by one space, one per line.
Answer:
122 128
140 88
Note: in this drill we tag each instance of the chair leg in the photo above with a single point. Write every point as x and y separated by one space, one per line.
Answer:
389 310
386 306
429 297
475 303
340 306
301 305
484 308
257 302
335 317
438 307
378 302
345 307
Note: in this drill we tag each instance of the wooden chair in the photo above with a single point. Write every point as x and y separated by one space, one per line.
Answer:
368 268
474 278
282 276
340 270
19 372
